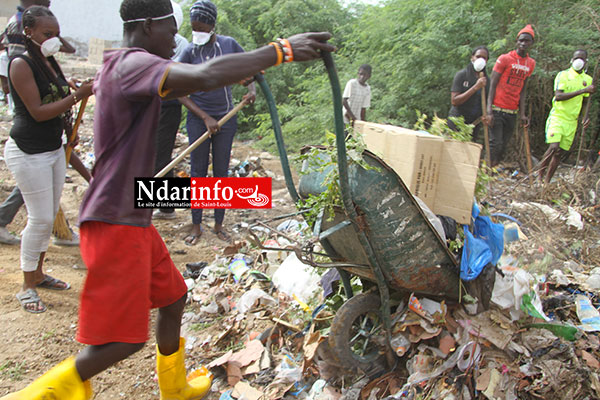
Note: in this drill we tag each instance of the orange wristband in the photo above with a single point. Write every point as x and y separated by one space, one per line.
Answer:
288 53
279 50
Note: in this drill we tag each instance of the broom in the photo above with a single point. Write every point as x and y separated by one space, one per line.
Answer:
61 227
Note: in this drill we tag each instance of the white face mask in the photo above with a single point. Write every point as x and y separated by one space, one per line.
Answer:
578 64
50 46
479 64
201 38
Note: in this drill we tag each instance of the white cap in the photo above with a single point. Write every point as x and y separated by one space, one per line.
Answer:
177 13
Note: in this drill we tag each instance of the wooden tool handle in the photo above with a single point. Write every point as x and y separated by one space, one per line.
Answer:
69 149
199 141
528 149
486 135
586 115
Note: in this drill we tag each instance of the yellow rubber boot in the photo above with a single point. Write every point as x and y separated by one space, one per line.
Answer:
61 383
172 379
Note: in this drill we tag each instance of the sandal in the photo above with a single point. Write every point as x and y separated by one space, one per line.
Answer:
52 283
28 297
224 236
192 238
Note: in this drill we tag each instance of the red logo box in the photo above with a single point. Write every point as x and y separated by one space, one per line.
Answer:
230 192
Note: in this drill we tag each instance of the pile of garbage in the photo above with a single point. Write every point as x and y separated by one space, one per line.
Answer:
261 321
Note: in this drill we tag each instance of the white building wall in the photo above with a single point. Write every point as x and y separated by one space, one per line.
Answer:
8 8
81 20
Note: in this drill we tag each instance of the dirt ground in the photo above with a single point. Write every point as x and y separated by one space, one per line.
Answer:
32 343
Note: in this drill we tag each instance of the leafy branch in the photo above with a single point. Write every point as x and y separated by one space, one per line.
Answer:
324 160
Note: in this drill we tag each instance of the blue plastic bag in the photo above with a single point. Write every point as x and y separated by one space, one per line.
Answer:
492 234
476 255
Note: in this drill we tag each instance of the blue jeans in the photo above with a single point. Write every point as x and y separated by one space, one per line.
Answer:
221 153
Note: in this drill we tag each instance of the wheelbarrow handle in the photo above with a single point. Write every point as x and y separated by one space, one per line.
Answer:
199 141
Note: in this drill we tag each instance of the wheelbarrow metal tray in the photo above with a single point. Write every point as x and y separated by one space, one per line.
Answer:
411 254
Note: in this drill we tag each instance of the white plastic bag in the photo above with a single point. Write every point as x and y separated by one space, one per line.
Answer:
293 277
254 297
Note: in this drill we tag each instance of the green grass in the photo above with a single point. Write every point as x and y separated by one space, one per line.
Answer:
233 346
201 326
12 370
48 335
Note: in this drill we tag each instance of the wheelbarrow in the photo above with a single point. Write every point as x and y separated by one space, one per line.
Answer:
380 234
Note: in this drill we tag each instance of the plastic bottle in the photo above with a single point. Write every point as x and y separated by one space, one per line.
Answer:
400 344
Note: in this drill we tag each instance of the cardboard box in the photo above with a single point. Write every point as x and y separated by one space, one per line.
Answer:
440 172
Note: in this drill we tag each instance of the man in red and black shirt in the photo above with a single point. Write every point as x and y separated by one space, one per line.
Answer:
507 93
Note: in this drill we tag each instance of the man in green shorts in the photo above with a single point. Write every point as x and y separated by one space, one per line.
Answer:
572 88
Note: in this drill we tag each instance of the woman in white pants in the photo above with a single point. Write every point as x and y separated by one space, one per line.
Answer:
34 152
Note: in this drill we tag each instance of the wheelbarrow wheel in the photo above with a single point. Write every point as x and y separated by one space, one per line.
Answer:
357 335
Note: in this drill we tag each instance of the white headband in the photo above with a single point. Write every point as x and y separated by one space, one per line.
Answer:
153 19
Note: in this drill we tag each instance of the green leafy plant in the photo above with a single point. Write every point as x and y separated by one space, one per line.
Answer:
324 160
439 127
335 301
456 245
484 177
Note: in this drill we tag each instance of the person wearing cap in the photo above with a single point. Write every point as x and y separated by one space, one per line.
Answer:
508 89
129 269
208 107
572 88
169 120
465 94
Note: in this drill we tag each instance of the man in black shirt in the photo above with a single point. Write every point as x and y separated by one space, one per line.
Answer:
466 91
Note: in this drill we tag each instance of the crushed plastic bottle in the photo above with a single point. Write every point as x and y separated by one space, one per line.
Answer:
400 344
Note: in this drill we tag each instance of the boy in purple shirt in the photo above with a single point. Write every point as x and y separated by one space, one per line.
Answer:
129 268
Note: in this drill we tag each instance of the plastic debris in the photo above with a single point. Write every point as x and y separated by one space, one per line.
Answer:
253 298
588 315
574 219
564 331
293 277
400 344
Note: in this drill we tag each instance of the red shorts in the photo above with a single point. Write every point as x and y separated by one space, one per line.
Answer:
129 272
